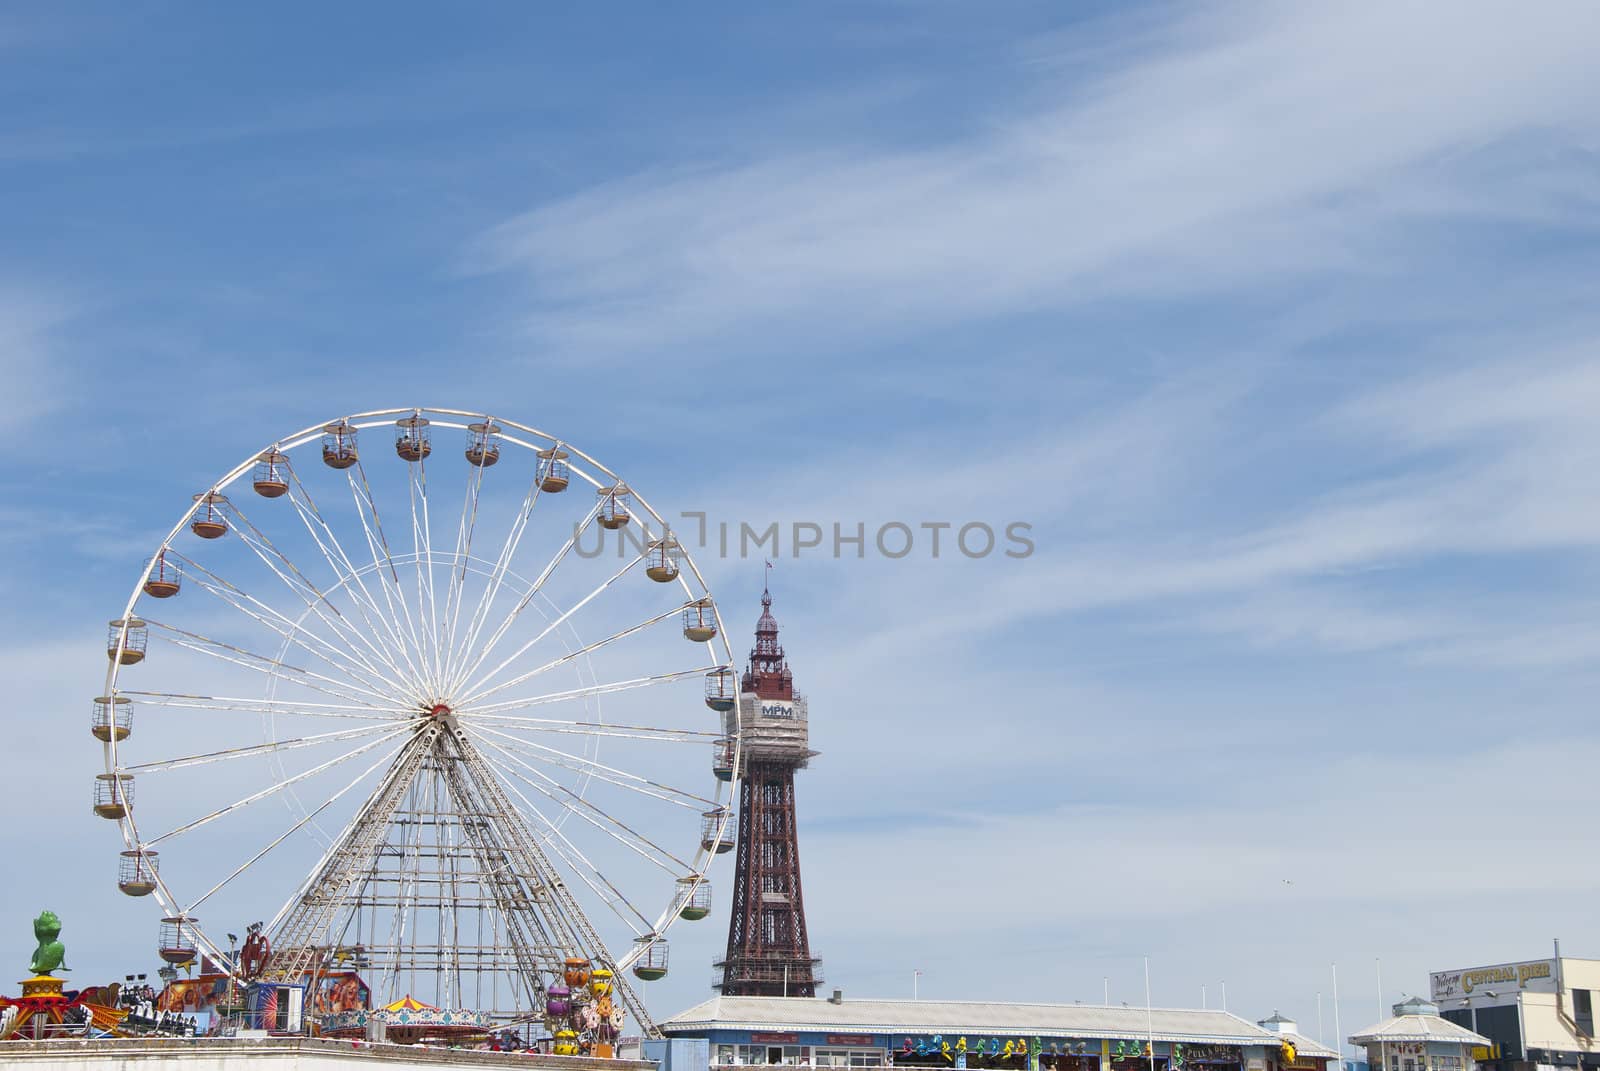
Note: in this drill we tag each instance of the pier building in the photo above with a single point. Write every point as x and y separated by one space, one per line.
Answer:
836 1032
1417 1038
1537 1013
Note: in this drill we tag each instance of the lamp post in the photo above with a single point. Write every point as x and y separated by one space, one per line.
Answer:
168 974
233 969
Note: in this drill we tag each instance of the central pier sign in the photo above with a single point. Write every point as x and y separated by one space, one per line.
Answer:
1500 980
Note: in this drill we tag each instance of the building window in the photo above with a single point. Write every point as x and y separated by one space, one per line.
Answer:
847 1057
769 1054
1583 1010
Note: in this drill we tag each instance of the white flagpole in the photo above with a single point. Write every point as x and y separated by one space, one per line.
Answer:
1338 1041
1149 1016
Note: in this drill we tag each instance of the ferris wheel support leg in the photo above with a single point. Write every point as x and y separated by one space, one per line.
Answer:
582 932
313 908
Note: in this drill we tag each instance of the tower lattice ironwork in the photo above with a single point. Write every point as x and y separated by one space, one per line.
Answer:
769 953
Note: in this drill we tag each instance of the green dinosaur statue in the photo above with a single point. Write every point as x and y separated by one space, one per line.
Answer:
51 953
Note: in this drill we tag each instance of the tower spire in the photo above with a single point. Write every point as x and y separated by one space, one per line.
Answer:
767 674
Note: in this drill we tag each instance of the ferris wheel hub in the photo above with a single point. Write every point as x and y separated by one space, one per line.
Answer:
441 714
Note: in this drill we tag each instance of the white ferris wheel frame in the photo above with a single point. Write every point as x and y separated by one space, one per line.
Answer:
585 467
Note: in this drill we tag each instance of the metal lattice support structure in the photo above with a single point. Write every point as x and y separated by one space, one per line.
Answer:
403 629
769 952
439 843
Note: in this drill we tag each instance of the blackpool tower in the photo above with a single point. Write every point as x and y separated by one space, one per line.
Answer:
768 952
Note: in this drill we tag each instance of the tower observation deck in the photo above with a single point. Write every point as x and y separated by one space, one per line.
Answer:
769 954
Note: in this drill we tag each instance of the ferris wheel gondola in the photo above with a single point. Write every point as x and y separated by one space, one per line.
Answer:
393 650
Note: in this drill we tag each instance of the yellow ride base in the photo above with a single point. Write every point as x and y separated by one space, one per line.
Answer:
42 985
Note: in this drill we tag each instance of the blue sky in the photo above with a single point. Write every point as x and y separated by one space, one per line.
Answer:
1277 326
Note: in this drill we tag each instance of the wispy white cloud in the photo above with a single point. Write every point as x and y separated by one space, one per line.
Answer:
1251 145
1493 460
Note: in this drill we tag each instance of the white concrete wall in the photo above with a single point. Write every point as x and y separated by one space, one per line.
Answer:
275 1054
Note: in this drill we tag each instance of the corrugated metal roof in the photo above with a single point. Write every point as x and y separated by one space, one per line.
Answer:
966 1017
1418 1028
1307 1047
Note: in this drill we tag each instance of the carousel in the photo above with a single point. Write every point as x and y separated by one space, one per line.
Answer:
408 1021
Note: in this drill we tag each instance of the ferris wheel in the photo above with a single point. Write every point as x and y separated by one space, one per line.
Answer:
443 695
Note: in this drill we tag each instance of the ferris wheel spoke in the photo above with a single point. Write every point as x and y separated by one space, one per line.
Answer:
455 590
575 804
304 587
510 776
272 790
389 573
422 544
378 807
502 566
621 778
521 857
586 691
293 631
224 755
478 686
596 728
339 561
574 655
605 823
292 830
314 598
293 707
261 663
533 590
588 873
